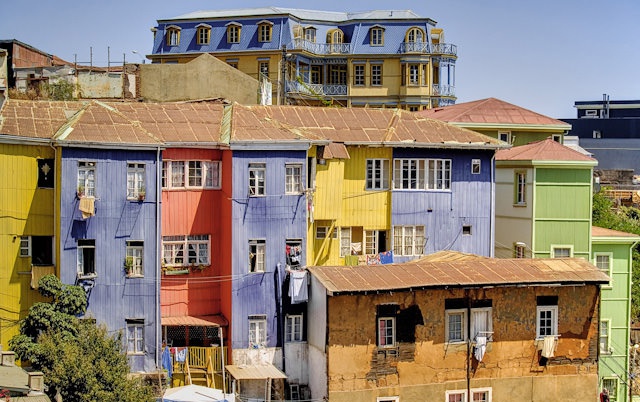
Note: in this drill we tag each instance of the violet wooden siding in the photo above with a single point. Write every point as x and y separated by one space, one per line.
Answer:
443 213
274 218
113 297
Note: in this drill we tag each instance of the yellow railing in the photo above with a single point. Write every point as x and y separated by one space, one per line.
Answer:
202 357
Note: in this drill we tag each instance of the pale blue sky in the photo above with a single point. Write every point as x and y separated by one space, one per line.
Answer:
542 55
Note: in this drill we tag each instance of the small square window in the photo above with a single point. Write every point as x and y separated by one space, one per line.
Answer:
475 166
504 136
25 246
466 230
323 231
293 178
547 321
561 252
456 323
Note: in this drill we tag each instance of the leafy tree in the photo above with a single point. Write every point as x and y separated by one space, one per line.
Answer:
79 359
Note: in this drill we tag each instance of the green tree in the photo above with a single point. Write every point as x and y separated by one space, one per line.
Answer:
80 360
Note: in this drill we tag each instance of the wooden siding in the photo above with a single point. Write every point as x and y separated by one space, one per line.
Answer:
273 218
26 211
443 213
197 212
112 296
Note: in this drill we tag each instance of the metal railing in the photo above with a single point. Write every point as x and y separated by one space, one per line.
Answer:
321 48
443 90
316 89
444 48
429 48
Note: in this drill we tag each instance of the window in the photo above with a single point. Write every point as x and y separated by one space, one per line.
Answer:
337 74
323 231
233 63
87 178
233 33
561 251
335 36
481 395
358 75
603 262
257 178
456 322
203 34
481 322
294 328
414 74
466 230
386 331
45 173
310 34
376 36
415 35
257 331
256 255
293 178
475 166
520 188
25 246
375 241
557 138
133 259
197 246
199 174
173 35
422 174
547 316
504 136
86 257
293 251
135 336
408 240
263 68
39 248
455 396
605 330
376 74
135 180
519 250
345 241
477 395
264 31
611 384
377 174
294 391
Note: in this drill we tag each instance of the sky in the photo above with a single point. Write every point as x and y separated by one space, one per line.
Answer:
541 55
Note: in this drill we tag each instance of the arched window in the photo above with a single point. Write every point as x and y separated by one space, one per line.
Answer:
376 35
335 36
203 34
173 35
415 35
310 34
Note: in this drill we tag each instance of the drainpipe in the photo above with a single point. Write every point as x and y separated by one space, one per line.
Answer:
56 191
468 362
158 256
492 221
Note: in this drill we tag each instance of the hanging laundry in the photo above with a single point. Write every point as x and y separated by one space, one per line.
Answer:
548 346
181 355
298 287
167 364
356 248
87 207
386 257
373 259
350 260
480 348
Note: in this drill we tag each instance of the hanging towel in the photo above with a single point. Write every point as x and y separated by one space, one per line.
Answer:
181 355
350 260
548 346
481 347
298 287
373 259
386 257
356 248
87 207
167 364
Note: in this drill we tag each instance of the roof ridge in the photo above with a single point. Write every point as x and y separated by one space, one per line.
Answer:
134 123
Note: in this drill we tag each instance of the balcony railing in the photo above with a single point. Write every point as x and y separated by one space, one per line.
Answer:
428 48
444 48
443 90
321 48
316 89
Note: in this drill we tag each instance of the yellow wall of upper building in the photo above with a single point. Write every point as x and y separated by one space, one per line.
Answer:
359 208
26 211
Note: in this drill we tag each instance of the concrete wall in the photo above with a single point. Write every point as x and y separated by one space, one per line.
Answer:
360 371
203 78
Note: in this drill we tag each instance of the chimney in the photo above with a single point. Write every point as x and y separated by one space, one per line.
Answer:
36 381
8 358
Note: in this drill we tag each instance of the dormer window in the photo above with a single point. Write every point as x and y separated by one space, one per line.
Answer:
376 35
233 32
415 35
173 35
335 36
265 29
204 34
310 34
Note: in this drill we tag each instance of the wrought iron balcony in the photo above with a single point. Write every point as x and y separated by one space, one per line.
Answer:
444 48
316 89
321 48
443 90
429 48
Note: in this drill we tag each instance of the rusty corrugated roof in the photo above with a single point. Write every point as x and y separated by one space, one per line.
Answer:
195 321
35 119
466 272
255 372
491 111
545 150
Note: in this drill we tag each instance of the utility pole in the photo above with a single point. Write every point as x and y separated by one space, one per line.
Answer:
283 79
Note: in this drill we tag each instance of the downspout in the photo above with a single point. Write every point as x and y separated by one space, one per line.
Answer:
492 220
56 191
158 256
281 320
468 331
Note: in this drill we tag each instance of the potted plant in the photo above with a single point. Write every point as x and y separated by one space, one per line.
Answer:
142 194
128 264
80 191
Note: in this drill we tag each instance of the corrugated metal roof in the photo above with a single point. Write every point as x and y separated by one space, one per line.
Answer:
35 119
195 321
473 272
491 111
545 150
597 231
255 372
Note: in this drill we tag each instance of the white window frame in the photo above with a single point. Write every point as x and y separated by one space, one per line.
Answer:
422 174
257 179
191 249
135 253
388 399
553 311
310 34
377 174
82 271
185 174
173 36
263 67
606 347
557 138
555 249
519 250
135 179
359 78
505 136
486 391
489 324
414 74
388 322
87 177
461 393
257 248
25 246
293 178
371 241
609 269
462 312
472 393
520 191
257 331
293 332
345 241
613 390
135 337
321 232
476 166
408 240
